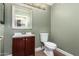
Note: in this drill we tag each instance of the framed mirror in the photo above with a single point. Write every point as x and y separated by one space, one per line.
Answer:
21 17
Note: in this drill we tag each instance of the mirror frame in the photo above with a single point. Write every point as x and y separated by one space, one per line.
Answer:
14 18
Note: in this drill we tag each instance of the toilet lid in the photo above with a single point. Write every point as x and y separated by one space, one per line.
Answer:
50 44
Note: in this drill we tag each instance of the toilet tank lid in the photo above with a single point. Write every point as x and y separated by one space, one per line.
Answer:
43 33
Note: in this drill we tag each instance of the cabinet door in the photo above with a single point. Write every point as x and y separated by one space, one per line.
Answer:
30 46
18 46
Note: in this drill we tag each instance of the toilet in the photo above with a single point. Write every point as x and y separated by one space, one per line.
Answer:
48 47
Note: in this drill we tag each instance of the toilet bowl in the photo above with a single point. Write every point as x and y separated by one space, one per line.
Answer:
48 46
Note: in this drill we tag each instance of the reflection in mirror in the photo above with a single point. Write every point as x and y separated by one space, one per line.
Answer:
22 17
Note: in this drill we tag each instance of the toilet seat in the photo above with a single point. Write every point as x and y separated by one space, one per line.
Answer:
50 45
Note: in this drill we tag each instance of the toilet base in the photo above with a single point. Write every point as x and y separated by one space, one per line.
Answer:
49 52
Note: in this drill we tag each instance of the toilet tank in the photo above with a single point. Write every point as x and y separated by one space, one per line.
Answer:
44 37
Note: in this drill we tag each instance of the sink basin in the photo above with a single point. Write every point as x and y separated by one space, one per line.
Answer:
28 33
17 34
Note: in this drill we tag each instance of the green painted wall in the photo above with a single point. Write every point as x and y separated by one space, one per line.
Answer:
40 23
65 27
1 29
1 38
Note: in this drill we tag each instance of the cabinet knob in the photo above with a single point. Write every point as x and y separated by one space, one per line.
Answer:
23 39
26 39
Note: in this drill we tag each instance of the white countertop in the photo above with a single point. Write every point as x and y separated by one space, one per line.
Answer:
23 35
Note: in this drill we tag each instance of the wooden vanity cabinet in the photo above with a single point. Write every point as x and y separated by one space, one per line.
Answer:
23 46
30 46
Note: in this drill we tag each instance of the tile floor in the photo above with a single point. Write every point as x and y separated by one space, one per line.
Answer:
41 53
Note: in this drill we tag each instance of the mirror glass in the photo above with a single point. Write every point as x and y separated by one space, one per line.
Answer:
22 17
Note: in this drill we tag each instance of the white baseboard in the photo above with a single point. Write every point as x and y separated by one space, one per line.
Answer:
38 49
64 52
58 49
9 55
5 54
1 54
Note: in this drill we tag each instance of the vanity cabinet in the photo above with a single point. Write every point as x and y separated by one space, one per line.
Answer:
23 46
